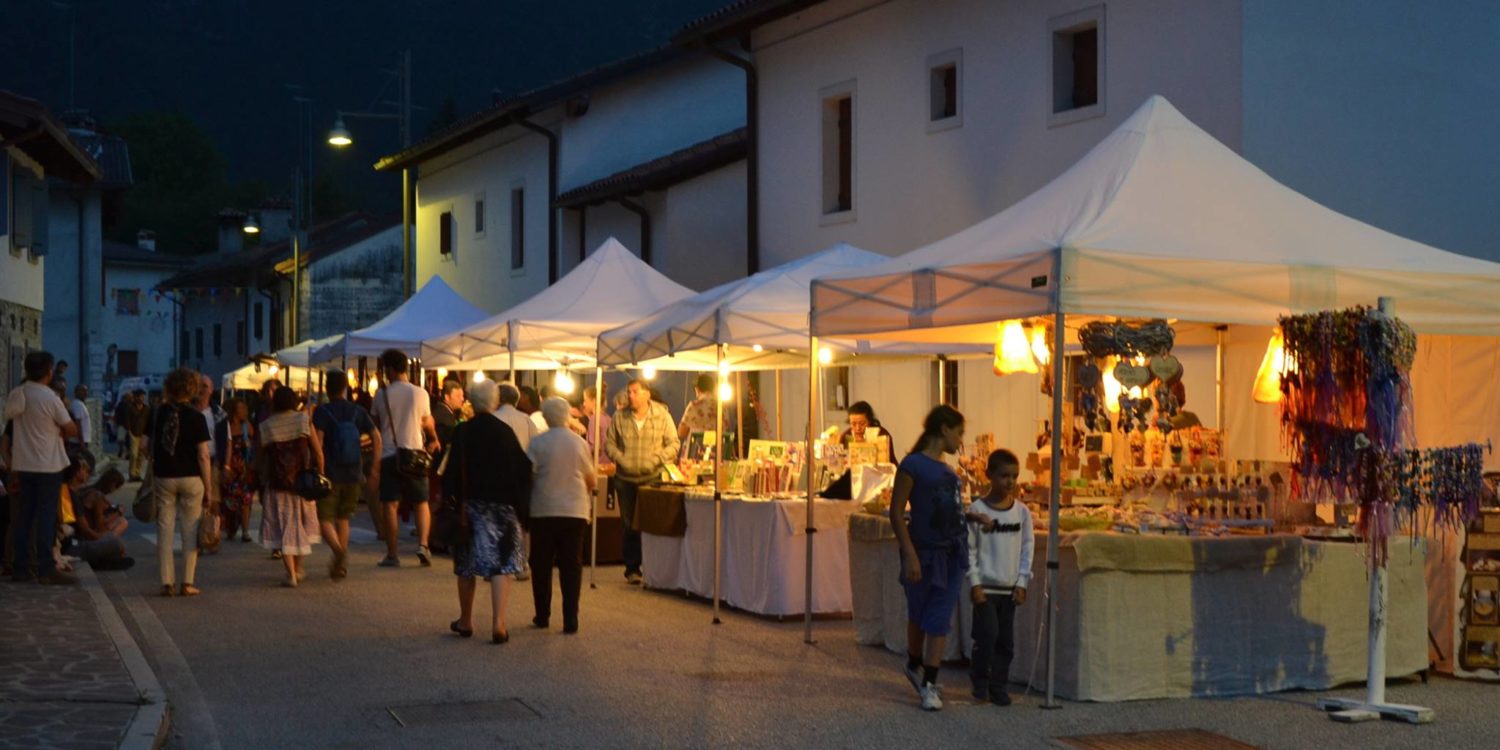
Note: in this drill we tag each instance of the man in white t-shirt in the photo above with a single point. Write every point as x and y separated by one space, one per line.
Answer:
38 456
518 420
78 409
403 412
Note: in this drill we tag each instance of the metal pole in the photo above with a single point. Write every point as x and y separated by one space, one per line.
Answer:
739 414
942 379
778 404
1054 502
594 511
719 443
510 349
1219 376
407 261
812 432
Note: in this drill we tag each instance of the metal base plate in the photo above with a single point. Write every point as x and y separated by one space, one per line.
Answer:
1352 711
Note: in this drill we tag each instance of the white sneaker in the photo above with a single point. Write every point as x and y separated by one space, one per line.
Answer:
932 697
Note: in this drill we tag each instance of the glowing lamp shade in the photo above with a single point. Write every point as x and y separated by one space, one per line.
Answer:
1112 387
648 372
726 392
562 383
339 136
479 376
1268 377
1012 350
251 226
1039 350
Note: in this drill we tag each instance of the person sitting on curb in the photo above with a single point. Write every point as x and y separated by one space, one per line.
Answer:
99 525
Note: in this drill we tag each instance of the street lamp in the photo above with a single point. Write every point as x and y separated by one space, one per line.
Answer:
251 225
339 136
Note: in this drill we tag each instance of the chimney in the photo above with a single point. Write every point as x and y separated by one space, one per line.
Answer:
146 240
231 230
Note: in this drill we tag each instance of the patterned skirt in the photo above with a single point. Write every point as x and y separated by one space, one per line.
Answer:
494 546
289 523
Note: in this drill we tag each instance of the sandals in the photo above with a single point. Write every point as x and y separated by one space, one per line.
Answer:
499 638
189 589
168 589
453 626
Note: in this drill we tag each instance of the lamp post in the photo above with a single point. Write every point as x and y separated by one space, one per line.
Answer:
340 137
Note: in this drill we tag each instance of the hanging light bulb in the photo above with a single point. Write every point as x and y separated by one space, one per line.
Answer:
562 383
275 368
757 348
442 374
1267 388
353 378
1039 349
723 369
726 391
825 355
1012 350
479 376
374 385
648 372
1112 387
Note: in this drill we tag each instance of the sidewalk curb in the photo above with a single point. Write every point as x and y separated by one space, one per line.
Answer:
149 729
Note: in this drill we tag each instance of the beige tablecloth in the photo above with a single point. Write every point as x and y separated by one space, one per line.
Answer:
1170 617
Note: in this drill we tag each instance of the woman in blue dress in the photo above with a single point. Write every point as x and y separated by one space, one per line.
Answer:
928 517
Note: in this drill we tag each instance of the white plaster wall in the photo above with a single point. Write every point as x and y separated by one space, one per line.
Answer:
651 114
913 187
1386 110
699 229
479 268
153 332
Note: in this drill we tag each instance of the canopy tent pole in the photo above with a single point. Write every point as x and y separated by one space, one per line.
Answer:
510 350
1219 376
942 380
739 415
1054 501
594 509
718 475
778 404
807 459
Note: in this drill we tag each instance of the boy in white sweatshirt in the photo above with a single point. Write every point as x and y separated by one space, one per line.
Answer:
1000 550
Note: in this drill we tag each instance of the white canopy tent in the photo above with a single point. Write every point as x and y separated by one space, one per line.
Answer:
432 311
559 327
302 355
254 375
1158 220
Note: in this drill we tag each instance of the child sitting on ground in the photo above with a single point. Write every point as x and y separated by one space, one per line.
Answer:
1000 550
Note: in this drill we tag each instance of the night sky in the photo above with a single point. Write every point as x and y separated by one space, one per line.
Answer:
227 64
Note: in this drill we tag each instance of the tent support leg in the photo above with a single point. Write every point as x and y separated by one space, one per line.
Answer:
778 405
808 460
719 443
1054 500
594 509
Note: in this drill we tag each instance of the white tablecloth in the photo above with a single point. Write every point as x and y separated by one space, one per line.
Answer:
764 555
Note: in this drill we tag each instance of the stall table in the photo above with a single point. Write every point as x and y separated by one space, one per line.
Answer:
1146 616
764 554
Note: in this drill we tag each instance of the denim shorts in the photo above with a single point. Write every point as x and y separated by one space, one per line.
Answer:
930 603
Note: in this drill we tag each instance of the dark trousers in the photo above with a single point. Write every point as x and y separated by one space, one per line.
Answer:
994 643
33 532
557 541
631 543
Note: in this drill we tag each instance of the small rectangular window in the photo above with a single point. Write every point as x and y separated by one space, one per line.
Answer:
260 331
949 395
1077 65
838 151
517 228
945 81
127 362
445 233
198 340
239 338
479 214
218 339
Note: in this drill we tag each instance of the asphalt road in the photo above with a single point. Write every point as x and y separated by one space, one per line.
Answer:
369 663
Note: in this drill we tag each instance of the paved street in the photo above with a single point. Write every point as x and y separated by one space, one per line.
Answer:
369 663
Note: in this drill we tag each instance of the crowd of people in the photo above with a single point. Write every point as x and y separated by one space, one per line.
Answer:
497 475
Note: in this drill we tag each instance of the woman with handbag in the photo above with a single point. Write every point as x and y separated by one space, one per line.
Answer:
489 477
290 457
181 470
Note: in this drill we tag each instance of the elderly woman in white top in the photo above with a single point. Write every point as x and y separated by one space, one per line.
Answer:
561 489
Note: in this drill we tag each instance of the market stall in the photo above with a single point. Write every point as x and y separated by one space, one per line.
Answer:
757 323
254 375
1162 233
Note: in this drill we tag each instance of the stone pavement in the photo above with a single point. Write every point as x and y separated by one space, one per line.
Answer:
64 681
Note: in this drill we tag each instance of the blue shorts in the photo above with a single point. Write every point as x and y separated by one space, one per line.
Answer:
930 603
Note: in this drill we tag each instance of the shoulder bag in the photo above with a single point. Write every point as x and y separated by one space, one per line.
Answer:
411 462
311 484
